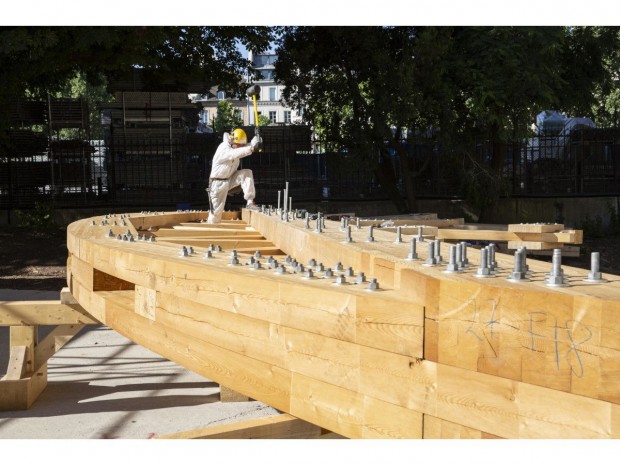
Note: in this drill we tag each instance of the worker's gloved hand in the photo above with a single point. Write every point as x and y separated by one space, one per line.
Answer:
256 142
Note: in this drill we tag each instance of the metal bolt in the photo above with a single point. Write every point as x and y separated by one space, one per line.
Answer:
319 268
358 224
347 237
412 252
492 261
312 262
288 259
307 221
257 254
208 254
308 274
431 260
483 269
250 261
340 280
183 251
256 265
280 270
453 266
328 273
234 261
373 285
556 277
371 237
399 238
233 254
595 276
190 250
349 272
119 237
524 264
420 236
464 259
361 278
438 257
338 267
459 254
518 273
110 233
153 239
299 268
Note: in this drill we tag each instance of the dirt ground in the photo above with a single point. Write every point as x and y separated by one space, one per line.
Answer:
33 261
36 261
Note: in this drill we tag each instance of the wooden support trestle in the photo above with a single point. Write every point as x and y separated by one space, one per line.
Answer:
26 376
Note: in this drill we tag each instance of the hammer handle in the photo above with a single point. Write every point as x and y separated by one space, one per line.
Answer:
255 111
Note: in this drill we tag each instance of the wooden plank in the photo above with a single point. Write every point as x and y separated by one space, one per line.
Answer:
257 379
388 223
18 363
230 395
42 312
145 302
21 394
567 237
282 426
535 227
226 244
436 428
206 233
53 342
25 336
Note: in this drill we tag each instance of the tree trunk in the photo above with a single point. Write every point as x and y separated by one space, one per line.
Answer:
387 179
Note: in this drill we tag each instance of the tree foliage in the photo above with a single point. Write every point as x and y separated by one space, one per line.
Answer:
226 119
360 86
38 61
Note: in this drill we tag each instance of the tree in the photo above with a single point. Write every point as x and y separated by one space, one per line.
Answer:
79 87
263 120
226 119
38 61
354 84
359 86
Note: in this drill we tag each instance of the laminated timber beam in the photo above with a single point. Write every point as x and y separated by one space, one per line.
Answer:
43 312
427 354
281 426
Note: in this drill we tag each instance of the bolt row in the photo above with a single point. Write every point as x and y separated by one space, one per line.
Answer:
312 270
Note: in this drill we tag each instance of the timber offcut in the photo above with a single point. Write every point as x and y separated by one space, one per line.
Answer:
365 331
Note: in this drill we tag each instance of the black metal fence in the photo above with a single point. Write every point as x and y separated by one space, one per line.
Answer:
174 172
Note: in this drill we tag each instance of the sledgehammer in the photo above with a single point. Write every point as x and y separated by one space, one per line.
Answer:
253 91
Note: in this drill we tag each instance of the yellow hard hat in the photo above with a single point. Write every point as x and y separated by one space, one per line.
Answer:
238 136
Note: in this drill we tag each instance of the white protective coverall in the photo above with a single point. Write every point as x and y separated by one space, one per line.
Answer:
225 176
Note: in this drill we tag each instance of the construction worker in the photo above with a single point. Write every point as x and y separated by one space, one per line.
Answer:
224 174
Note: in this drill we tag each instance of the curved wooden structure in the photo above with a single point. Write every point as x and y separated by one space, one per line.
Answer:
427 355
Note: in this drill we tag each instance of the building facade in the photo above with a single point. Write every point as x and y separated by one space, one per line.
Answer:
269 104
